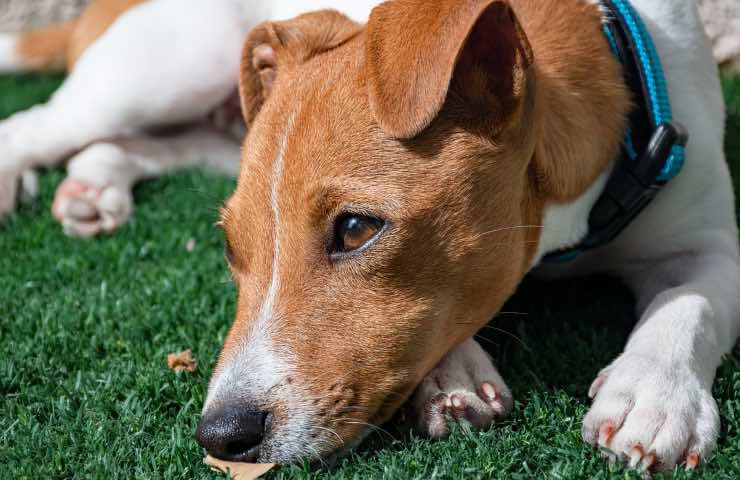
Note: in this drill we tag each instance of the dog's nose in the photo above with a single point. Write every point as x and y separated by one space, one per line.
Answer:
232 433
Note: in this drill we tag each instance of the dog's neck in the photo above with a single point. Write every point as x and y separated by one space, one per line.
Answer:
581 106
581 99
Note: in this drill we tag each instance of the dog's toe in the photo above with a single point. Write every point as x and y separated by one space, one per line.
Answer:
651 417
87 211
464 386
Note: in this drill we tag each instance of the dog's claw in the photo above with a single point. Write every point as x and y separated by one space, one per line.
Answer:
693 460
647 415
635 456
458 406
497 402
648 462
595 386
606 432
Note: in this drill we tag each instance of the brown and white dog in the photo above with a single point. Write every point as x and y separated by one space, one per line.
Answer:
398 182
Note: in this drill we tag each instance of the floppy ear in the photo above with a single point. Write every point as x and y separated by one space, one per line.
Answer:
273 47
416 50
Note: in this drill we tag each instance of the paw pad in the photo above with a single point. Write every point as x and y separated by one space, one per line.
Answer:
87 211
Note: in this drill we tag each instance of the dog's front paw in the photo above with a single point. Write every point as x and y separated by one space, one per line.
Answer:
651 416
464 385
87 211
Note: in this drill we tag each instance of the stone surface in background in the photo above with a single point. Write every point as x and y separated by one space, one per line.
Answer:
721 17
18 15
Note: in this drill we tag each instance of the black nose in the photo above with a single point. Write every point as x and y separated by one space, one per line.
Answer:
232 433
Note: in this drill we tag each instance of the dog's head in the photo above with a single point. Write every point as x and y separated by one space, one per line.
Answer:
384 212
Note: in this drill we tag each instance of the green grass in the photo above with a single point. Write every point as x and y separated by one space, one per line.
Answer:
85 327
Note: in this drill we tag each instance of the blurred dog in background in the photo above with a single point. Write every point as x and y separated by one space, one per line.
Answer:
152 88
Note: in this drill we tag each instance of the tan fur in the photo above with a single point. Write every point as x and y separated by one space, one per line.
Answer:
288 44
409 86
46 50
60 46
457 133
582 100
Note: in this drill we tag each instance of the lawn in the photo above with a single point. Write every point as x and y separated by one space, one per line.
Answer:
85 328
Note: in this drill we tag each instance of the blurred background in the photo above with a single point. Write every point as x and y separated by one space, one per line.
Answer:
721 18
24 14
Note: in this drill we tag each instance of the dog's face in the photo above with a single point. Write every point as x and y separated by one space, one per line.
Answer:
385 211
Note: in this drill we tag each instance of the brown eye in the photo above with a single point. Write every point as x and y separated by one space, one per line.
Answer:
352 232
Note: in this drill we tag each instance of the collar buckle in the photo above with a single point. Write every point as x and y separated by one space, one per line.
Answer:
631 188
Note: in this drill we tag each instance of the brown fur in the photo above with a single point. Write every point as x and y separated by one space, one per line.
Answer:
411 56
46 50
60 46
455 121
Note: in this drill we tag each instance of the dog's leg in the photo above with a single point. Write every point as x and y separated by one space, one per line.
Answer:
136 75
39 137
96 196
653 406
464 385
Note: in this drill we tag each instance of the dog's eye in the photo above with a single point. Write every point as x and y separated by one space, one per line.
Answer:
352 232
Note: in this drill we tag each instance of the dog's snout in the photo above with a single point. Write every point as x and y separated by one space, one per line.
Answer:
233 433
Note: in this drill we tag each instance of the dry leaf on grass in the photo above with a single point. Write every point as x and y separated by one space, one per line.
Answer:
239 471
182 361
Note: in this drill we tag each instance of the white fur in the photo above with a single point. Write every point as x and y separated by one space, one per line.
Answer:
564 225
258 338
460 375
681 258
137 75
259 368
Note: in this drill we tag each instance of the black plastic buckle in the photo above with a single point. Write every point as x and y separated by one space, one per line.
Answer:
631 187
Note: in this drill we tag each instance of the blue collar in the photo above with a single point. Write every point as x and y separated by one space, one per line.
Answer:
654 146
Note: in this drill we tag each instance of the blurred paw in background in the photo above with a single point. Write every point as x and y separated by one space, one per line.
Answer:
721 20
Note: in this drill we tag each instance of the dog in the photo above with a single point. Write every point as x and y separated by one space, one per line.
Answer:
399 180
152 88
397 183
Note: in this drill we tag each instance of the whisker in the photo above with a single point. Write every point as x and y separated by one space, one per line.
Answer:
514 227
354 421
354 409
488 340
341 441
318 455
509 334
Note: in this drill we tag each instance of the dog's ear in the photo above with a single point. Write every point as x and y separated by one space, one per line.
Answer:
276 46
418 51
